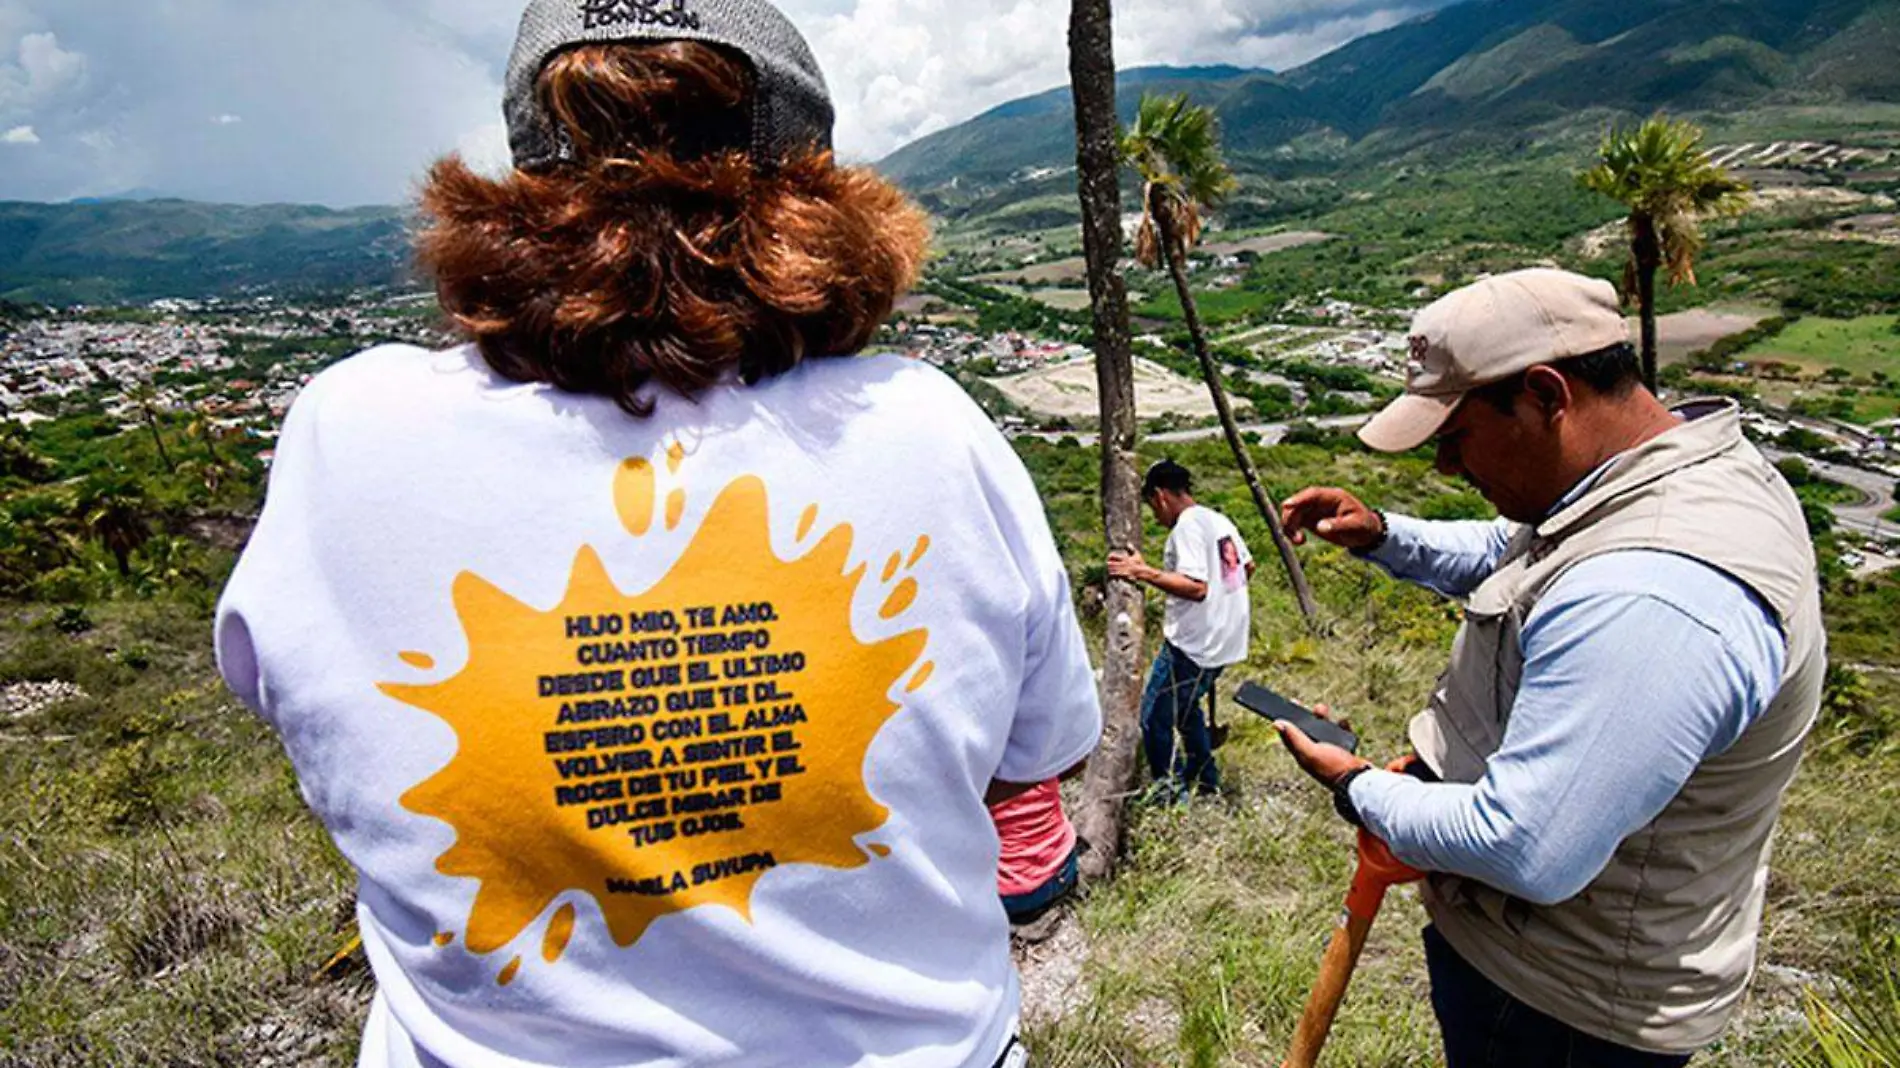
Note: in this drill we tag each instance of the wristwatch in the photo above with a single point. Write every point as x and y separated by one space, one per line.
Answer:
1342 796
1385 532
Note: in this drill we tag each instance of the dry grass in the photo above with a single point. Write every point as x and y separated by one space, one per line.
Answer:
164 897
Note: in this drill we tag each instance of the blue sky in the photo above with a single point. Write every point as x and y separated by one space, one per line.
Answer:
346 101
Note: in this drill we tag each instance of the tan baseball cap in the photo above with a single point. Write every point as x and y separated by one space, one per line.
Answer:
1487 332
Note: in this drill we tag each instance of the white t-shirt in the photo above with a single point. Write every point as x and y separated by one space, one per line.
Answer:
663 742
1205 547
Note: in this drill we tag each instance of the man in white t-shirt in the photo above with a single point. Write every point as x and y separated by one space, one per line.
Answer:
1204 572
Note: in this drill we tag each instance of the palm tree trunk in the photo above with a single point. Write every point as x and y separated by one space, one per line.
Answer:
158 440
1648 251
1269 510
1111 773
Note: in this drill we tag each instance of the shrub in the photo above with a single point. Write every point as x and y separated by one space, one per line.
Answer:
1462 505
72 619
1820 520
1849 704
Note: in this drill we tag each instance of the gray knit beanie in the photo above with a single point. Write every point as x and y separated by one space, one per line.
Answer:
791 109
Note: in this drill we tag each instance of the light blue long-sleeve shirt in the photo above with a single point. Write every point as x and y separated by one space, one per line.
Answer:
1638 666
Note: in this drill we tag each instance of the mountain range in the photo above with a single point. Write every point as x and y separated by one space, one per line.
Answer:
112 251
1491 67
1480 73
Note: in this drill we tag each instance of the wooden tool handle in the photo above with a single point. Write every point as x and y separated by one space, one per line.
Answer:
1335 972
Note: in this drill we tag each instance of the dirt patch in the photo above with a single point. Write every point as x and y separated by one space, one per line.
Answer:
1266 243
1880 229
1052 972
1068 391
1680 334
915 304
1068 299
1822 195
1604 240
1074 269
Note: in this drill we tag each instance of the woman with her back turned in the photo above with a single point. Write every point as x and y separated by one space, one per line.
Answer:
652 663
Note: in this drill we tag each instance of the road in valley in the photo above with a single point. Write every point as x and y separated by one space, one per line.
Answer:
1270 433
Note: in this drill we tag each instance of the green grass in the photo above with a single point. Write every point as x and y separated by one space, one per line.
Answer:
1217 306
1869 408
165 897
1860 345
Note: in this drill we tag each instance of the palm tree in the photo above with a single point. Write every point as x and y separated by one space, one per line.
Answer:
1175 147
202 429
146 399
1660 172
213 469
1110 778
111 509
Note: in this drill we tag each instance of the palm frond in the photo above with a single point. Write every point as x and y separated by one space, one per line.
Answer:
1661 173
1175 146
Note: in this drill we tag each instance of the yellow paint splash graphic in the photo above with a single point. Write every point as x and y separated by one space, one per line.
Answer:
560 929
900 600
662 750
418 660
922 676
633 495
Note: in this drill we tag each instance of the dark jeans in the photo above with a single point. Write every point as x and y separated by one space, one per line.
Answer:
1026 908
1172 705
1484 1027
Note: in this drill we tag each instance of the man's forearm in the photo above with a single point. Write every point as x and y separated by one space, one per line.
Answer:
1450 557
1174 584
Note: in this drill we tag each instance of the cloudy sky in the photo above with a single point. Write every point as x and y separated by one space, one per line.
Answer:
344 101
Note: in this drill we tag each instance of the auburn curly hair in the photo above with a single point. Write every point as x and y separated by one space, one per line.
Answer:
663 254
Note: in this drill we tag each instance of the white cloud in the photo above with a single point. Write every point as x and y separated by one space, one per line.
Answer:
348 101
20 135
35 71
50 68
901 69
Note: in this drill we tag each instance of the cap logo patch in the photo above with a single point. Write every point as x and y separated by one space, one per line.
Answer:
671 14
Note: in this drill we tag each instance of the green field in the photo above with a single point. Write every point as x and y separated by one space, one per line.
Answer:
1874 409
1863 345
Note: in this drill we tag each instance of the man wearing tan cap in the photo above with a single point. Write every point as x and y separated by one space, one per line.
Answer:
1599 770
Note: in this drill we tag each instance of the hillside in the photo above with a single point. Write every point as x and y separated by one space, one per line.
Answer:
1486 72
115 251
1036 131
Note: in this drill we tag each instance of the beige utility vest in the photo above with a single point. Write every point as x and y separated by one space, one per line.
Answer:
1655 952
